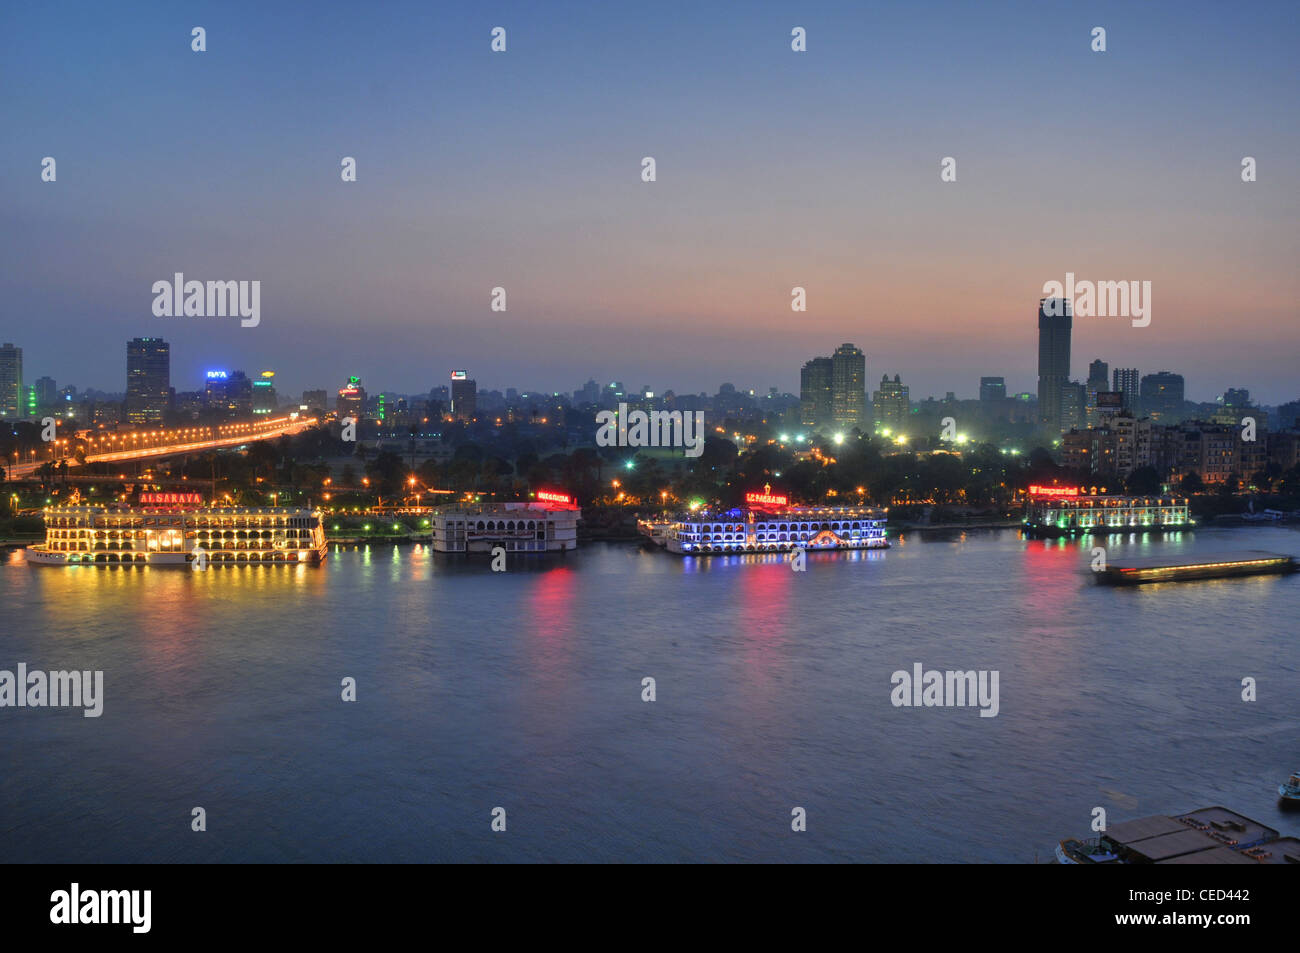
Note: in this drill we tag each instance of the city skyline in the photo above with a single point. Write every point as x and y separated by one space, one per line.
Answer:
479 170
204 381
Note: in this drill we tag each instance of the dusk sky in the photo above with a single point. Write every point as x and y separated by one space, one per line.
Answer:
775 169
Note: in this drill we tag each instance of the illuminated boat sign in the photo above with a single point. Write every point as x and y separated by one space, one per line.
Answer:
171 499
1050 491
550 496
766 499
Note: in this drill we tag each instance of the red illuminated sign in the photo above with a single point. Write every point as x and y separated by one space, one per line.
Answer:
1036 490
171 499
767 499
549 496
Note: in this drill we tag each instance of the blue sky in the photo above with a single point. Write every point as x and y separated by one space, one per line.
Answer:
775 169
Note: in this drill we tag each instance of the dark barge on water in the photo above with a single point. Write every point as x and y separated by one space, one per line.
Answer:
1211 835
1196 566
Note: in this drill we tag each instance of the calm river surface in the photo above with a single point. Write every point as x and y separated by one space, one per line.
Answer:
524 690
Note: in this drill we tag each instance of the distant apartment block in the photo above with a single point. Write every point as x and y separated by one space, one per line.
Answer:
11 382
892 403
993 388
1126 380
1161 395
815 380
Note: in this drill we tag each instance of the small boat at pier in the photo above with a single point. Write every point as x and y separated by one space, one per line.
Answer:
1289 792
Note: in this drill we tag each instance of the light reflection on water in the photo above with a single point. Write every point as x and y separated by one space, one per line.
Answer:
523 689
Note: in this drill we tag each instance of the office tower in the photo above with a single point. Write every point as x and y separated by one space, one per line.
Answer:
148 380
1126 382
47 392
1055 318
1162 395
993 388
11 382
230 392
239 390
264 397
1237 397
1098 383
1098 377
464 395
315 399
848 387
815 382
351 401
892 404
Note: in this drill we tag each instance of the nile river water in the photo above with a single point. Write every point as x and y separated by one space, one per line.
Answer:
523 690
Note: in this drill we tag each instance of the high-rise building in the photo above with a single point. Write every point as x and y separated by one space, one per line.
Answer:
230 393
1055 319
264 398
47 392
11 382
1074 404
1098 382
464 395
1238 398
848 387
148 380
815 390
1098 377
351 400
892 404
315 399
993 388
1162 396
1126 382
